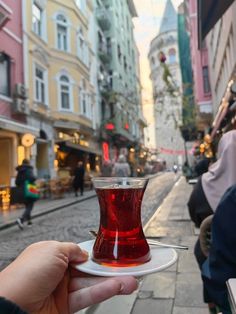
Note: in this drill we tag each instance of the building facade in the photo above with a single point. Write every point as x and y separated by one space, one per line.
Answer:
167 89
200 65
13 94
122 122
59 62
221 41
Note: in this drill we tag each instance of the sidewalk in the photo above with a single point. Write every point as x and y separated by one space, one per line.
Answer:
41 207
177 290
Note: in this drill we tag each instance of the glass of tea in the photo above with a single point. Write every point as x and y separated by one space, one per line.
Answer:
120 240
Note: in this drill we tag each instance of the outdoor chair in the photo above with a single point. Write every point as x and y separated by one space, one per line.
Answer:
56 189
66 184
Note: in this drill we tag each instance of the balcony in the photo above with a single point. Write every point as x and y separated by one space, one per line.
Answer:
103 54
103 18
114 128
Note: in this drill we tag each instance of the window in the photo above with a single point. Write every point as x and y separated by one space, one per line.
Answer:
62 33
37 19
206 83
40 84
172 56
65 93
5 75
83 49
85 100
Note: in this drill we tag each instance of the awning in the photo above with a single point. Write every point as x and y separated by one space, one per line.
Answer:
209 12
17 127
91 150
70 125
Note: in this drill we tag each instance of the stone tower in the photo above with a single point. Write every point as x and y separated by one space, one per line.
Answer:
166 81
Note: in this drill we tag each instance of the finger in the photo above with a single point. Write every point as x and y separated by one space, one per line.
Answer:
73 252
83 282
101 291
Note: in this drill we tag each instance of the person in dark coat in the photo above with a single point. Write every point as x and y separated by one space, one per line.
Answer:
25 173
220 264
78 182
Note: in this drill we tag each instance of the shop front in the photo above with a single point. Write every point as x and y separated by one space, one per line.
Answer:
14 147
71 147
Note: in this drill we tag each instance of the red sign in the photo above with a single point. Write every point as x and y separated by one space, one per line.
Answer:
105 150
109 126
126 126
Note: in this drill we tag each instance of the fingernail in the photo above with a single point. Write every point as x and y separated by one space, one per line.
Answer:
121 288
85 253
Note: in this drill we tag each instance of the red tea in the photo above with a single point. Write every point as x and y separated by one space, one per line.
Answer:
120 240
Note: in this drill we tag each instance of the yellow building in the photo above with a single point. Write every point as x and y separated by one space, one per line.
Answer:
58 60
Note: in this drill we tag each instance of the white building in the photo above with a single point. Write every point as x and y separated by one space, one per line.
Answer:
167 89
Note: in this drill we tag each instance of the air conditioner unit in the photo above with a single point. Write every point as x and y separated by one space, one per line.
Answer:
21 91
20 106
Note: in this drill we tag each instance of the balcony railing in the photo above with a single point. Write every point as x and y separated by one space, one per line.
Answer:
103 18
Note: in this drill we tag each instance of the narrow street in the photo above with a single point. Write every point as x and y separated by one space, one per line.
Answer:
73 222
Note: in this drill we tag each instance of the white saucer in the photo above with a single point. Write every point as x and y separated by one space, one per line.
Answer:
161 258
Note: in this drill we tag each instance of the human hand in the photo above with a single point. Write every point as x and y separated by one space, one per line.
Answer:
41 281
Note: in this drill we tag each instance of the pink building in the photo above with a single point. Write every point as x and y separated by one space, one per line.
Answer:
202 89
13 95
11 54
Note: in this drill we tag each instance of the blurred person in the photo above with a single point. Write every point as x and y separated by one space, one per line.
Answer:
219 266
187 171
175 168
106 170
202 166
25 173
78 181
212 185
41 280
121 167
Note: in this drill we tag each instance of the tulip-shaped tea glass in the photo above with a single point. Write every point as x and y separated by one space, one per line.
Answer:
120 240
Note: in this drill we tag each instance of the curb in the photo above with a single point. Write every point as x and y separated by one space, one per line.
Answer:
50 210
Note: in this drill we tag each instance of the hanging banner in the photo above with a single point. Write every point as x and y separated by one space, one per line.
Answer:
174 152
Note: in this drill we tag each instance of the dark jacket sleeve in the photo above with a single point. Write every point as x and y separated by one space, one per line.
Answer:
7 307
198 205
221 262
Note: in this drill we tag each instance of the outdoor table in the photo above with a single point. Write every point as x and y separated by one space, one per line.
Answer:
231 286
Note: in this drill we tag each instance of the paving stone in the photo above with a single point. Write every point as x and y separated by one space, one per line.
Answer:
152 306
187 262
189 290
145 294
190 310
162 284
117 305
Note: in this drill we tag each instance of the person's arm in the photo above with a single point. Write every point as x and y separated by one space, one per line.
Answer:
40 280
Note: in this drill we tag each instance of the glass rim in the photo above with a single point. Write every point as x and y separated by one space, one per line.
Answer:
118 178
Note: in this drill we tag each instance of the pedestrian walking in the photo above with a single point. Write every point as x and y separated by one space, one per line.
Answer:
175 168
121 167
106 168
25 177
78 182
